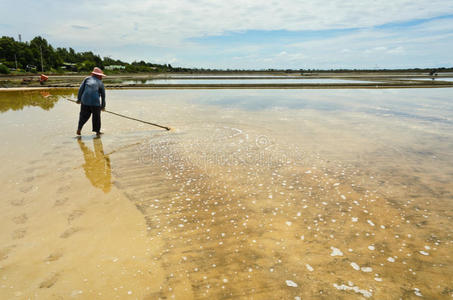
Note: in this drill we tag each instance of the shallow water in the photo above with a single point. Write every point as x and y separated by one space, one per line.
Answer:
435 78
278 80
263 194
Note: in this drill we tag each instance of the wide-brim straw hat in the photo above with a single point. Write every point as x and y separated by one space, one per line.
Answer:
98 71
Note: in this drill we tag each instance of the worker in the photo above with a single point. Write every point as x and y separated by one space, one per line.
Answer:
92 97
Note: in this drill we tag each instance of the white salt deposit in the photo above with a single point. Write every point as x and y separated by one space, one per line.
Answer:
355 266
336 252
365 293
417 292
291 283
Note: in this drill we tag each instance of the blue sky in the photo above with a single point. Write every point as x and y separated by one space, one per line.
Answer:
245 34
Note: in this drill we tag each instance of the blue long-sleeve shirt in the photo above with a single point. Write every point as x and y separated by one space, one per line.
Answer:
92 92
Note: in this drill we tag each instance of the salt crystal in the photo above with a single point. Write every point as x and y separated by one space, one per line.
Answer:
291 283
355 266
365 293
310 268
417 292
336 252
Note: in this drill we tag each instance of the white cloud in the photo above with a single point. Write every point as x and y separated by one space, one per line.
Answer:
169 22
116 27
396 50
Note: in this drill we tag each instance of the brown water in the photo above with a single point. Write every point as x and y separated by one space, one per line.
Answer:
254 194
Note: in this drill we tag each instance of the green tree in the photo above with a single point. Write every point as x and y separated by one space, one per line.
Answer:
4 69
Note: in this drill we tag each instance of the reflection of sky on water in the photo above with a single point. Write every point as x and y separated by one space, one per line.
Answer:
432 105
436 78
423 104
242 81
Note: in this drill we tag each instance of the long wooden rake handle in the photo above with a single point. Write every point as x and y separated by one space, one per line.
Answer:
127 117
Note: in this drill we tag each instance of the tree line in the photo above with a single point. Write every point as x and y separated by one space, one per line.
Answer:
39 56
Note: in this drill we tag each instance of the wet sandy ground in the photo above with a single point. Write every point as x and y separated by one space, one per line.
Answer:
253 195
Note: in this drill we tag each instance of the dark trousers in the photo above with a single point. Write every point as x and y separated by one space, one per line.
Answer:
85 113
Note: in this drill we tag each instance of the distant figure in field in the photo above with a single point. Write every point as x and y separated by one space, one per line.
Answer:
92 96
433 73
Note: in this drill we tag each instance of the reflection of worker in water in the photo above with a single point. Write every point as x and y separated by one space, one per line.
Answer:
97 165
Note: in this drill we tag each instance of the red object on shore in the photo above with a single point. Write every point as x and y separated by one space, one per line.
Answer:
43 78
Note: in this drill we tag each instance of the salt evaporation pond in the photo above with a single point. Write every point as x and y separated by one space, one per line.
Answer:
430 79
279 80
263 194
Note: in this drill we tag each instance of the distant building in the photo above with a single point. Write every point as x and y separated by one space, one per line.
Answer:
31 68
69 66
115 67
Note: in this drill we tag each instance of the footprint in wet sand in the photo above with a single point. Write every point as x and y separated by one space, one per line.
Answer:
19 233
74 215
63 189
21 219
18 202
29 179
69 232
4 252
26 189
61 201
56 255
50 281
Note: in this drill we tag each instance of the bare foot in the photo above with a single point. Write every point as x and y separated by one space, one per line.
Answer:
78 132
99 133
